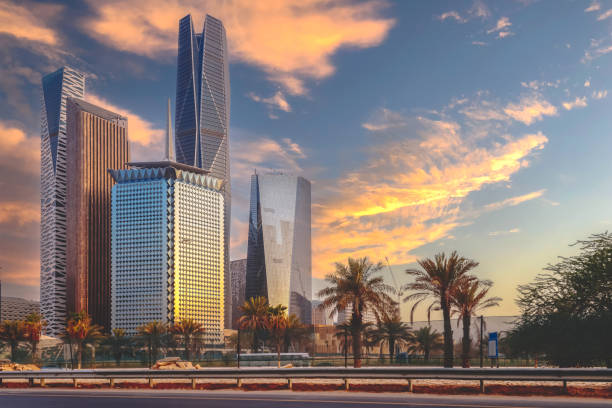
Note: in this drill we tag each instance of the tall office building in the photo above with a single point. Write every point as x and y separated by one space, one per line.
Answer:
97 142
344 316
203 112
279 248
56 88
238 283
167 249
320 317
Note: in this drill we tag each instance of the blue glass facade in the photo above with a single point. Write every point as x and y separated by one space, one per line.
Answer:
279 243
203 111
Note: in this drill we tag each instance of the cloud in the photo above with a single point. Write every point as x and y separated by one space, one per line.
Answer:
537 85
453 15
600 94
480 43
504 34
604 15
512 201
530 109
19 212
502 24
29 21
384 119
576 103
17 150
595 6
587 83
506 232
292 41
276 101
409 190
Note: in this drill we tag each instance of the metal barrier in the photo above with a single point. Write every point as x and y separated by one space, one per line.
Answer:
564 375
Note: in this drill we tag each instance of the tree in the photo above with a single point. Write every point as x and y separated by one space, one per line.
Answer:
13 332
82 332
425 340
392 331
33 327
119 343
439 279
470 298
358 285
190 333
295 333
276 322
153 334
254 315
566 312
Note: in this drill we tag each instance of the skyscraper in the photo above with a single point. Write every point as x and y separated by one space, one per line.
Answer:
238 281
203 112
279 247
167 247
97 142
56 88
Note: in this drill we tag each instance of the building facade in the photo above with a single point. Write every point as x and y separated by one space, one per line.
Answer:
238 283
14 308
203 112
320 317
167 247
279 243
56 88
97 142
344 316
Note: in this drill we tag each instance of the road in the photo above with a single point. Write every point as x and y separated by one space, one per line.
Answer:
272 399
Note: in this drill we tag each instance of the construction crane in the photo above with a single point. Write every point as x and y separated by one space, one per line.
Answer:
398 288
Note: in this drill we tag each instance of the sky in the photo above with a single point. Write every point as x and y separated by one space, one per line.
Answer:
477 126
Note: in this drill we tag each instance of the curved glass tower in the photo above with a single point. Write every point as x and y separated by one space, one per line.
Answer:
203 112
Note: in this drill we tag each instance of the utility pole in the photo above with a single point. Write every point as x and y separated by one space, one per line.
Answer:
481 349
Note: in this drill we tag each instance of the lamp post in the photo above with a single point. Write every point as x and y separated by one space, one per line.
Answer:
481 348
238 347
345 350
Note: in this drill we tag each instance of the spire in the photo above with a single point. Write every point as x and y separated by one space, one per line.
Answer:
169 152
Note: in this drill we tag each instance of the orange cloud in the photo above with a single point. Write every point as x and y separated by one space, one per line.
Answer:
530 109
18 150
19 212
290 40
410 191
577 103
28 23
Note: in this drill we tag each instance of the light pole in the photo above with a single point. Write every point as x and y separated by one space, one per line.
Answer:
481 349
238 347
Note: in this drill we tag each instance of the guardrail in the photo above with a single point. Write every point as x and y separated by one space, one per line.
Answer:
564 375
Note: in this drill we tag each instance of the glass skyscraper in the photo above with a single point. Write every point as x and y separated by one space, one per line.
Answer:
56 88
167 247
203 112
279 243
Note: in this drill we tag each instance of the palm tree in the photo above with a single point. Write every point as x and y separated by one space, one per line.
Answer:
439 279
13 332
295 332
425 341
82 332
357 285
119 343
33 330
276 322
392 331
470 298
344 333
191 333
254 315
153 334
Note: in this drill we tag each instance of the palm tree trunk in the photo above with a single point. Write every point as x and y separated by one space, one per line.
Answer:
187 351
448 334
79 355
14 351
357 343
466 341
278 347
391 350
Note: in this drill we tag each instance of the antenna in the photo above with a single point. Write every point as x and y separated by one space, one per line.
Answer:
169 151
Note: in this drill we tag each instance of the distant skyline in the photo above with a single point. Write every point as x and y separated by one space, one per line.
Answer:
479 126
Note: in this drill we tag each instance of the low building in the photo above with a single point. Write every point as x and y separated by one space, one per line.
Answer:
14 308
320 317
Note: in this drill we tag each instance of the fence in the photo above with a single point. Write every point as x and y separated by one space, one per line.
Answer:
564 375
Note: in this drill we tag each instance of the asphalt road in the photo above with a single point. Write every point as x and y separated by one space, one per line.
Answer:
272 399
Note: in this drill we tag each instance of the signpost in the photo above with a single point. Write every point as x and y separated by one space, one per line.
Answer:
493 351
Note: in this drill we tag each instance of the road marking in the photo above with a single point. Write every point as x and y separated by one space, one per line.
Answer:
375 402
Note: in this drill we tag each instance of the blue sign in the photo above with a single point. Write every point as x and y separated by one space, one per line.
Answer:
493 352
